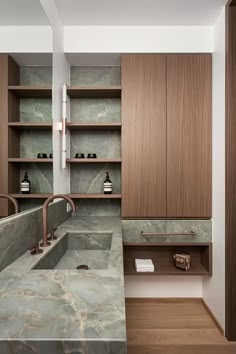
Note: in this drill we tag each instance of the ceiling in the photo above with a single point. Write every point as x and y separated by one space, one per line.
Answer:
22 13
113 12
139 12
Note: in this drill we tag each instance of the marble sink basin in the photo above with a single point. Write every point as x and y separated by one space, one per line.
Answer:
75 249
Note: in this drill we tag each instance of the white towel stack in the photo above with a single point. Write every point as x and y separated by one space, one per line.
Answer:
144 265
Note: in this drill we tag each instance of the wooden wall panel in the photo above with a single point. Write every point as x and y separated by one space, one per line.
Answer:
9 108
3 132
143 135
230 212
189 143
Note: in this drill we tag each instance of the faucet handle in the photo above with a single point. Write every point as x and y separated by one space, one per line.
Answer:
35 249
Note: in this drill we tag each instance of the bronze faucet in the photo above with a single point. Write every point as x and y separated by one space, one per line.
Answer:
13 201
45 242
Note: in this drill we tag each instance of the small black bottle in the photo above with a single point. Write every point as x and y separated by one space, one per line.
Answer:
107 184
25 184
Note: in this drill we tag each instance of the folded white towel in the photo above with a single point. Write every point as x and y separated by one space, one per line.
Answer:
144 265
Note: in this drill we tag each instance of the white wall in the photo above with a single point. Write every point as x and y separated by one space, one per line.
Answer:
214 288
163 286
134 39
61 74
26 39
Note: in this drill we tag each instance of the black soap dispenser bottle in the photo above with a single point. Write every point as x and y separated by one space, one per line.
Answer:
25 185
107 184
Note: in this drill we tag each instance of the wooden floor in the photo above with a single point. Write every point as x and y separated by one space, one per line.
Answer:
173 326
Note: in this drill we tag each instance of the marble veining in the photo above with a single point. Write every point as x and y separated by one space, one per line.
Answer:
95 75
98 207
36 110
90 177
95 110
106 144
36 75
40 175
132 230
20 231
65 310
32 142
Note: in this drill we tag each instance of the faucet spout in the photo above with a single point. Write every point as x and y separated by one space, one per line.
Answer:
45 242
13 201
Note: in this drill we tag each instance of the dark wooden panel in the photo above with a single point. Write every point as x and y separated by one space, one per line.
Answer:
30 126
3 132
143 135
230 232
96 160
162 257
94 91
189 117
31 91
93 126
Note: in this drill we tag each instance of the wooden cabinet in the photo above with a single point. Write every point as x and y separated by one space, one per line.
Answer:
166 136
189 135
143 135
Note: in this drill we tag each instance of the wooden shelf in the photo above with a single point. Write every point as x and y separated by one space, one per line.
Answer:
30 126
162 257
31 91
94 196
85 160
31 196
93 126
94 91
29 160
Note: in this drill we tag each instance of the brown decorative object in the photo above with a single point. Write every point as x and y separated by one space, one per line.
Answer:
182 261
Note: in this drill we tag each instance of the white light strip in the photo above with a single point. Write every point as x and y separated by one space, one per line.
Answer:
63 133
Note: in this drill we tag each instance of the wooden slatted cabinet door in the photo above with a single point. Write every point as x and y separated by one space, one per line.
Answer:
189 117
143 135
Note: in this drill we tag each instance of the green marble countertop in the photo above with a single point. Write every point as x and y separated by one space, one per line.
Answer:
66 304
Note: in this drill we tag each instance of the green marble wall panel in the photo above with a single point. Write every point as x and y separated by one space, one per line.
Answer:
89 178
95 110
26 204
98 207
40 176
132 230
35 110
36 75
35 141
95 75
105 144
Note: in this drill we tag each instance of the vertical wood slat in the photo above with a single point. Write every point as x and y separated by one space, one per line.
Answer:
230 212
3 132
143 135
189 151
9 106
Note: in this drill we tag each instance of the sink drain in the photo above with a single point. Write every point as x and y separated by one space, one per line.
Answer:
83 266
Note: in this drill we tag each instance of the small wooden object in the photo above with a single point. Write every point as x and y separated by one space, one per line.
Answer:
182 261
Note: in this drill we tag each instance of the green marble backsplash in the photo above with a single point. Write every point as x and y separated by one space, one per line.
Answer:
34 141
40 176
106 144
95 75
36 110
92 110
36 75
89 178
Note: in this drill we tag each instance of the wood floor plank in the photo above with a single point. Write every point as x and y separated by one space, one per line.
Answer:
174 336
173 326
183 349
